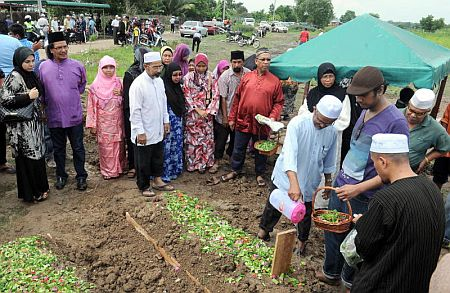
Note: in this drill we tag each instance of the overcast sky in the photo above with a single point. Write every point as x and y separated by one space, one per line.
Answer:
397 10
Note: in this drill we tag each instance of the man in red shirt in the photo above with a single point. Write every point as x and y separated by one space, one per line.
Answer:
258 93
304 36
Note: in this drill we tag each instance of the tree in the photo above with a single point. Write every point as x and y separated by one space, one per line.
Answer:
317 12
260 15
285 13
430 24
347 16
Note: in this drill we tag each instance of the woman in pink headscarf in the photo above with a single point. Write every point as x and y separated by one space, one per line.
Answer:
202 104
220 68
105 118
181 57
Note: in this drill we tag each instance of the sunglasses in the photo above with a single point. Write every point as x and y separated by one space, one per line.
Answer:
359 130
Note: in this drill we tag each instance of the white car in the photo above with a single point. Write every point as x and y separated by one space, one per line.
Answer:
264 24
188 28
280 28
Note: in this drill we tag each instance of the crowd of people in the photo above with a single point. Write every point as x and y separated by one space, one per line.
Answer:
171 113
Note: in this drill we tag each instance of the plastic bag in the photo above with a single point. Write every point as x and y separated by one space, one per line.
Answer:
274 125
348 249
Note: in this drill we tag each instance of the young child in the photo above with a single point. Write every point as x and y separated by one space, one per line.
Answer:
136 33
105 118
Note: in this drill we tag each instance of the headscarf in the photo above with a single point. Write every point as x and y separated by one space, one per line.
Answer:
181 51
138 66
319 91
174 93
103 85
201 80
217 72
30 78
164 49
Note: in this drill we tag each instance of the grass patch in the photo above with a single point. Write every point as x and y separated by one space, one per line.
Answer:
440 37
218 236
27 265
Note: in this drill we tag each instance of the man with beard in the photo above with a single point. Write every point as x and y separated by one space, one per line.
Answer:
399 237
149 124
228 83
64 81
309 150
259 92
357 181
424 132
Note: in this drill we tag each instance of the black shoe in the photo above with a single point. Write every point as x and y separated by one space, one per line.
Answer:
60 182
81 184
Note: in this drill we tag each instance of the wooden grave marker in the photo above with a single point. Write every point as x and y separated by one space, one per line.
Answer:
284 246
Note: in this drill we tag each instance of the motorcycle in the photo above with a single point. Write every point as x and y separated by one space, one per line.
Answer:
234 36
249 41
155 41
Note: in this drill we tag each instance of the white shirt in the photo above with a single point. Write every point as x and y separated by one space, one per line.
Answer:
115 23
55 26
307 151
197 35
42 22
148 108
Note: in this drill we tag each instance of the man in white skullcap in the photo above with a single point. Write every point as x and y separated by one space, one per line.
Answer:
309 150
425 132
149 124
399 237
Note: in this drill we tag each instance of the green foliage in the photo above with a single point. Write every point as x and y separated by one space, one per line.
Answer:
318 12
93 37
440 37
430 24
26 265
246 29
260 15
347 16
285 13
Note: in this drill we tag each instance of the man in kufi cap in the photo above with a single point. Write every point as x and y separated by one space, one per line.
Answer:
425 132
309 150
64 80
227 84
357 181
399 237
259 92
149 124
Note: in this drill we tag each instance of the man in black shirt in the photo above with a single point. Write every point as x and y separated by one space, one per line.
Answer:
400 236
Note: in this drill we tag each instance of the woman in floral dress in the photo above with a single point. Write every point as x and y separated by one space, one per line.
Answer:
202 104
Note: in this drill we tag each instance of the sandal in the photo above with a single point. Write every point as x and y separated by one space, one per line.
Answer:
261 182
165 187
214 169
43 196
8 169
229 176
131 173
213 181
148 192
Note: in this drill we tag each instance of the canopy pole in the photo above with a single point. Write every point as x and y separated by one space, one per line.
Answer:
306 91
10 12
435 110
103 26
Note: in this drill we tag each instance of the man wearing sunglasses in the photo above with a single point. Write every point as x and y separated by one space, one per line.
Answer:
357 181
424 132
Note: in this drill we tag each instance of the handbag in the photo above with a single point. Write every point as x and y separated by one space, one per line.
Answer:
16 115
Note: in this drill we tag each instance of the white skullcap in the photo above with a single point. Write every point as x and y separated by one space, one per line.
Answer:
329 106
389 143
152 57
423 99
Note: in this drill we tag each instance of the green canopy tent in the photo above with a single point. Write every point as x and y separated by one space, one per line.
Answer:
402 56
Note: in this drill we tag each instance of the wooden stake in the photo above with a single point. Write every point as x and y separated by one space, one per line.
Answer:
284 246
169 259
435 110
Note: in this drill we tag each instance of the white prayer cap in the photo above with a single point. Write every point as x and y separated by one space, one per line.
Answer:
389 143
152 57
423 99
329 106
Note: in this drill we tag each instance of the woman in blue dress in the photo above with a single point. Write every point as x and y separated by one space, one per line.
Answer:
173 143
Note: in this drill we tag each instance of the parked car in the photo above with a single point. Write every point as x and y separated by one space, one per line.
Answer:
264 24
279 28
188 28
249 21
212 27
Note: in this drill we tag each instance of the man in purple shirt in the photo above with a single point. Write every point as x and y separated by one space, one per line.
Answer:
64 81
357 181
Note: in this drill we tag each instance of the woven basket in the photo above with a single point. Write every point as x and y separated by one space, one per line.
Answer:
339 227
266 153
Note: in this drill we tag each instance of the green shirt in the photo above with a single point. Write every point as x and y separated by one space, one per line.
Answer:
424 136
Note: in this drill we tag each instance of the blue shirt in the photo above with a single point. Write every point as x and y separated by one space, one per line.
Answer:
309 152
29 44
7 47
357 165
